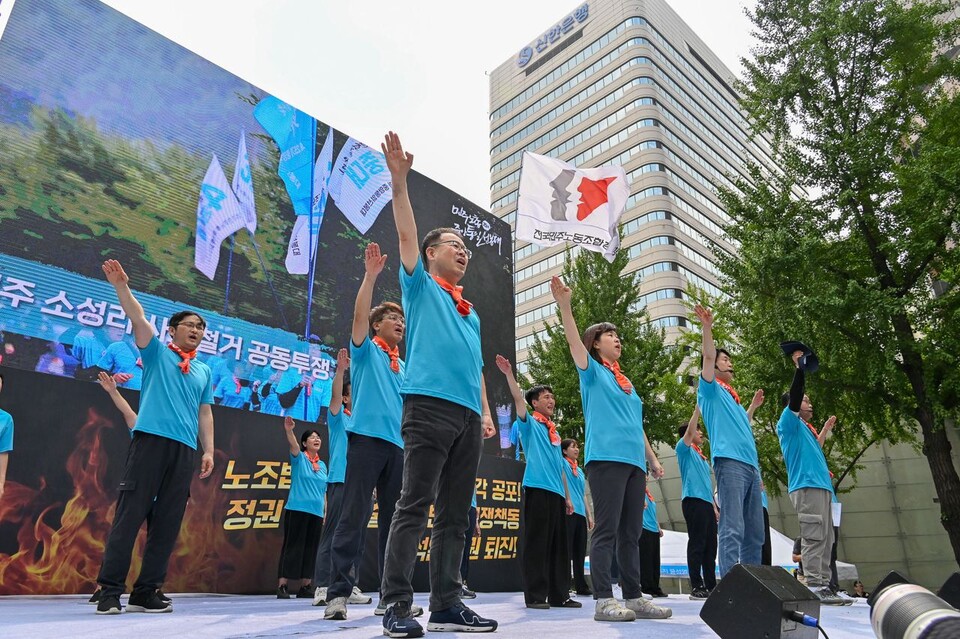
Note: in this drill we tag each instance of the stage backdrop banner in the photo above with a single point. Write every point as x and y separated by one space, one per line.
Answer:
107 130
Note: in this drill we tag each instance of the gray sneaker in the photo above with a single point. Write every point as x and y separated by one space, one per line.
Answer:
826 596
336 609
320 596
357 597
644 609
612 610
381 609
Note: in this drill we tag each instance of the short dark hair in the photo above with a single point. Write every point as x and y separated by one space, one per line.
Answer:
347 384
378 312
179 316
567 443
593 333
719 350
784 400
306 435
534 393
682 430
431 238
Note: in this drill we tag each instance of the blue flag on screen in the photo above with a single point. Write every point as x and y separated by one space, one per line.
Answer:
294 132
306 230
360 184
218 217
243 185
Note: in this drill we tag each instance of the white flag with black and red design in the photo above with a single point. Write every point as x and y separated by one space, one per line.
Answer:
560 203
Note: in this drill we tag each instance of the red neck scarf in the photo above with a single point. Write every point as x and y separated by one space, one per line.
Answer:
625 384
729 389
649 496
456 292
573 464
184 357
699 452
812 428
346 411
315 460
236 382
554 436
394 352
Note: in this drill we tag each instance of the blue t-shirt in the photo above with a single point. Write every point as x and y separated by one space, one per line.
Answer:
121 357
473 502
728 426
576 484
377 405
443 346
87 349
337 428
806 465
170 399
308 487
317 398
614 419
227 393
763 499
694 473
6 431
544 461
650 515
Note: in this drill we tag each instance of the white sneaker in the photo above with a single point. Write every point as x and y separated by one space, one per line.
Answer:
644 609
336 609
320 596
357 597
612 610
847 599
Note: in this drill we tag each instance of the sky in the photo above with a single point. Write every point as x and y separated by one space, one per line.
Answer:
417 67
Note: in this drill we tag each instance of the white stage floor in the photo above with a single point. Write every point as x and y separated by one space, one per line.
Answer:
243 617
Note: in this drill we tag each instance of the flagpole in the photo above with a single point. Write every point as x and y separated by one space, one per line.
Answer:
226 294
311 252
266 274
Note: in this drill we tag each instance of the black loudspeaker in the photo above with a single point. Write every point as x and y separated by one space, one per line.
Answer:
950 590
754 601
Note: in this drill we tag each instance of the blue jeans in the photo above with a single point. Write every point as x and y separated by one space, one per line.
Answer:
741 513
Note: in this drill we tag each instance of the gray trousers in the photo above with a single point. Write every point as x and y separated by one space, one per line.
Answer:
441 452
816 533
618 491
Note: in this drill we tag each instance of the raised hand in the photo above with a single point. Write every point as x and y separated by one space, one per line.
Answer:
107 382
704 314
504 365
561 292
757 399
122 378
288 423
343 359
796 358
398 161
115 273
373 261
830 423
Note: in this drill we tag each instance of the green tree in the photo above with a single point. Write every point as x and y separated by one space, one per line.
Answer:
603 293
864 114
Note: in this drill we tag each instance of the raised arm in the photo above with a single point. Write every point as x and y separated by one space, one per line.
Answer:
399 163
826 430
797 387
691 426
708 348
142 330
755 404
206 440
288 426
336 395
507 369
108 384
373 263
486 418
562 294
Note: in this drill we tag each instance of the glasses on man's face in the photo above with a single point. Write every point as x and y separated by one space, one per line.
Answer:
457 246
393 317
192 325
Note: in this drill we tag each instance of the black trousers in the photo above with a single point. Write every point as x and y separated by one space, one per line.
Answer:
301 536
467 542
543 547
649 561
766 551
156 481
371 463
834 577
701 542
577 549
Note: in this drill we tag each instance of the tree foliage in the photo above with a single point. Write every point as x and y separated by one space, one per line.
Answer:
851 249
603 293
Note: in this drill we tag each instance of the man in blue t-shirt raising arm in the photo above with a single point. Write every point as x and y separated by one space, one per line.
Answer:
445 415
175 401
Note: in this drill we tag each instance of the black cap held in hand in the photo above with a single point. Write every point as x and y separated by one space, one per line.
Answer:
809 362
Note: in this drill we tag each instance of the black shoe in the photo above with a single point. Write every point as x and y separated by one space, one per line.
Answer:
569 603
699 594
108 605
585 593
162 597
147 602
282 592
398 622
95 597
459 618
305 592
538 605
466 593
658 594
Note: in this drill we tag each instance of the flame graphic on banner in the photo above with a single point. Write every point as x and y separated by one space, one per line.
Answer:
63 557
